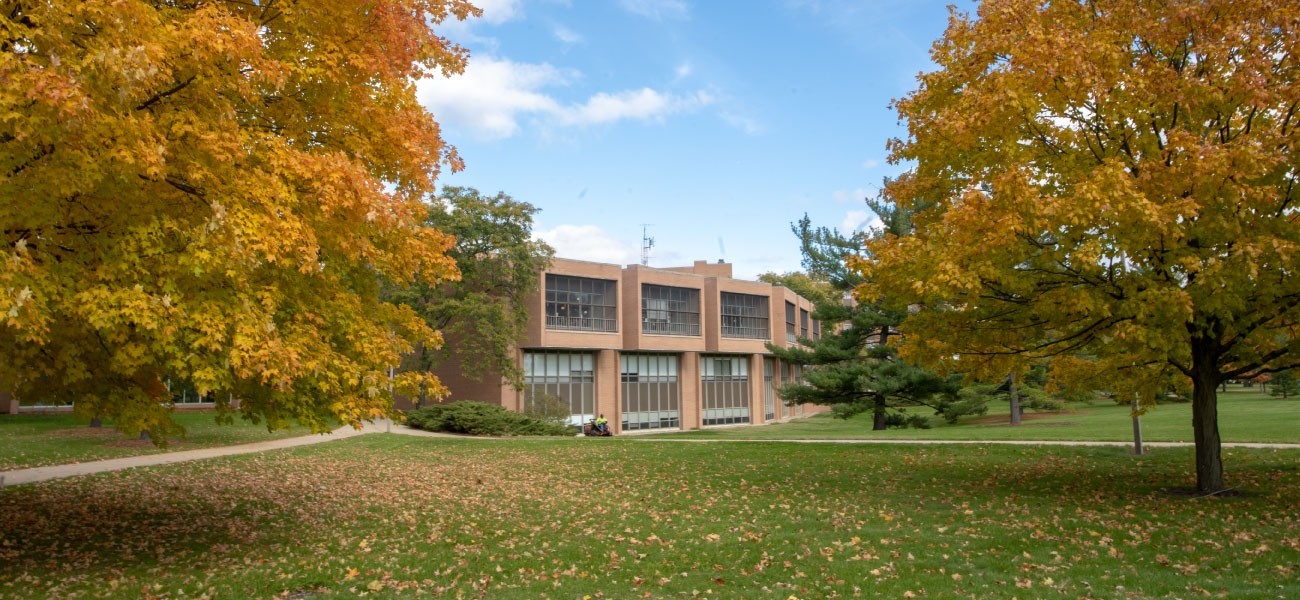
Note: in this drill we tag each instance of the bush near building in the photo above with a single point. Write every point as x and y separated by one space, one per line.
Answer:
479 418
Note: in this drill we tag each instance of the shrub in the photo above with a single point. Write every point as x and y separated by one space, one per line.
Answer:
479 418
547 407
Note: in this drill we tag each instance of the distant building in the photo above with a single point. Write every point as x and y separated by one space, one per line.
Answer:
652 348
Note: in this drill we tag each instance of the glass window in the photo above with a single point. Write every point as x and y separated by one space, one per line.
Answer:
650 391
581 303
789 322
803 323
670 310
745 316
724 389
769 389
569 376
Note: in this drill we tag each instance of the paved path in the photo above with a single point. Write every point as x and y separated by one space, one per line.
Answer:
37 474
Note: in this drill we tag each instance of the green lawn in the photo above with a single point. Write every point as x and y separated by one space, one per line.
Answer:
392 516
1245 415
37 440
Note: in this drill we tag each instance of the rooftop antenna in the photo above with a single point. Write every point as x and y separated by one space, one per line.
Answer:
647 243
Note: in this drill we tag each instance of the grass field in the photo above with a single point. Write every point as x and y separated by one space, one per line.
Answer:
391 516
37 440
1245 415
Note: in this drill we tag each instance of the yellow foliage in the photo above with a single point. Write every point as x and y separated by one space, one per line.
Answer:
1116 181
211 192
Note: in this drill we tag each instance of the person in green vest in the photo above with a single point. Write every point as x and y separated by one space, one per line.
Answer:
602 424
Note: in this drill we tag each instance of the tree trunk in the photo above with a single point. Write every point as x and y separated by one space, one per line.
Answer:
879 423
1205 417
1015 401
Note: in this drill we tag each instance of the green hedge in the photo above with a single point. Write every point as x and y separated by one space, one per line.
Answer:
479 418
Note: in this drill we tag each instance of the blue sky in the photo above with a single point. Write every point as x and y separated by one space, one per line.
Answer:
716 123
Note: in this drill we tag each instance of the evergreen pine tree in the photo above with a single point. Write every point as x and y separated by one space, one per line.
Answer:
853 368
1285 384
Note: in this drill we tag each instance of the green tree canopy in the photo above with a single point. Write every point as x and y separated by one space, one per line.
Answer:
481 314
855 367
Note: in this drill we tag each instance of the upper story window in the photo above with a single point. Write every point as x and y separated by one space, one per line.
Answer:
789 322
581 303
670 310
745 316
803 323
817 329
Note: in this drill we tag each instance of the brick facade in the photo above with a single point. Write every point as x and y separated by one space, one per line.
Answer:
731 388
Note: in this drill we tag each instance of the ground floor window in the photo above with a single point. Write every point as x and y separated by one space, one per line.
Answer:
724 389
769 389
796 378
569 376
650 391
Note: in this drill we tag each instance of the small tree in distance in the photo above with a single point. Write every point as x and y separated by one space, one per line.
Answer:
1284 384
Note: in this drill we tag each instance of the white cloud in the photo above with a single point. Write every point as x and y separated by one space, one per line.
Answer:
588 242
743 123
683 71
566 35
657 9
856 220
870 163
491 94
497 12
853 195
644 104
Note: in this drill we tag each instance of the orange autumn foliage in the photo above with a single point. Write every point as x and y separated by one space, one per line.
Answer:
1109 182
210 192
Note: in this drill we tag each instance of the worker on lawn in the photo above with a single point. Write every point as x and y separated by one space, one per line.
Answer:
602 424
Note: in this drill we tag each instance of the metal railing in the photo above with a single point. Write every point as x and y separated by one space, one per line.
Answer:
582 323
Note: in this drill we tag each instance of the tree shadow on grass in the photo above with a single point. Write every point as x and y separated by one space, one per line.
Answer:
143 519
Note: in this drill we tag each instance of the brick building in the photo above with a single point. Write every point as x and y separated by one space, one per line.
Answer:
652 348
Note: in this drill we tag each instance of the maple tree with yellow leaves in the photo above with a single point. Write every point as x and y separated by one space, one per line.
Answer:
210 191
1111 182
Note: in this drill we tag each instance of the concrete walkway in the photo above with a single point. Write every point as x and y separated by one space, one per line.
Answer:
38 474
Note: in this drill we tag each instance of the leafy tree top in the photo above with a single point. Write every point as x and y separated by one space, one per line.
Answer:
209 191
499 262
1113 179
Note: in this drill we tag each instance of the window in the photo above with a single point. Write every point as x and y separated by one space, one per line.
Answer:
581 303
769 389
650 391
803 323
789 322
817 329
724 389
569 376
670 310
745 316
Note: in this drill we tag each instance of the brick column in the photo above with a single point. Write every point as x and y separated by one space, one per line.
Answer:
608 388
756 413
688 378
